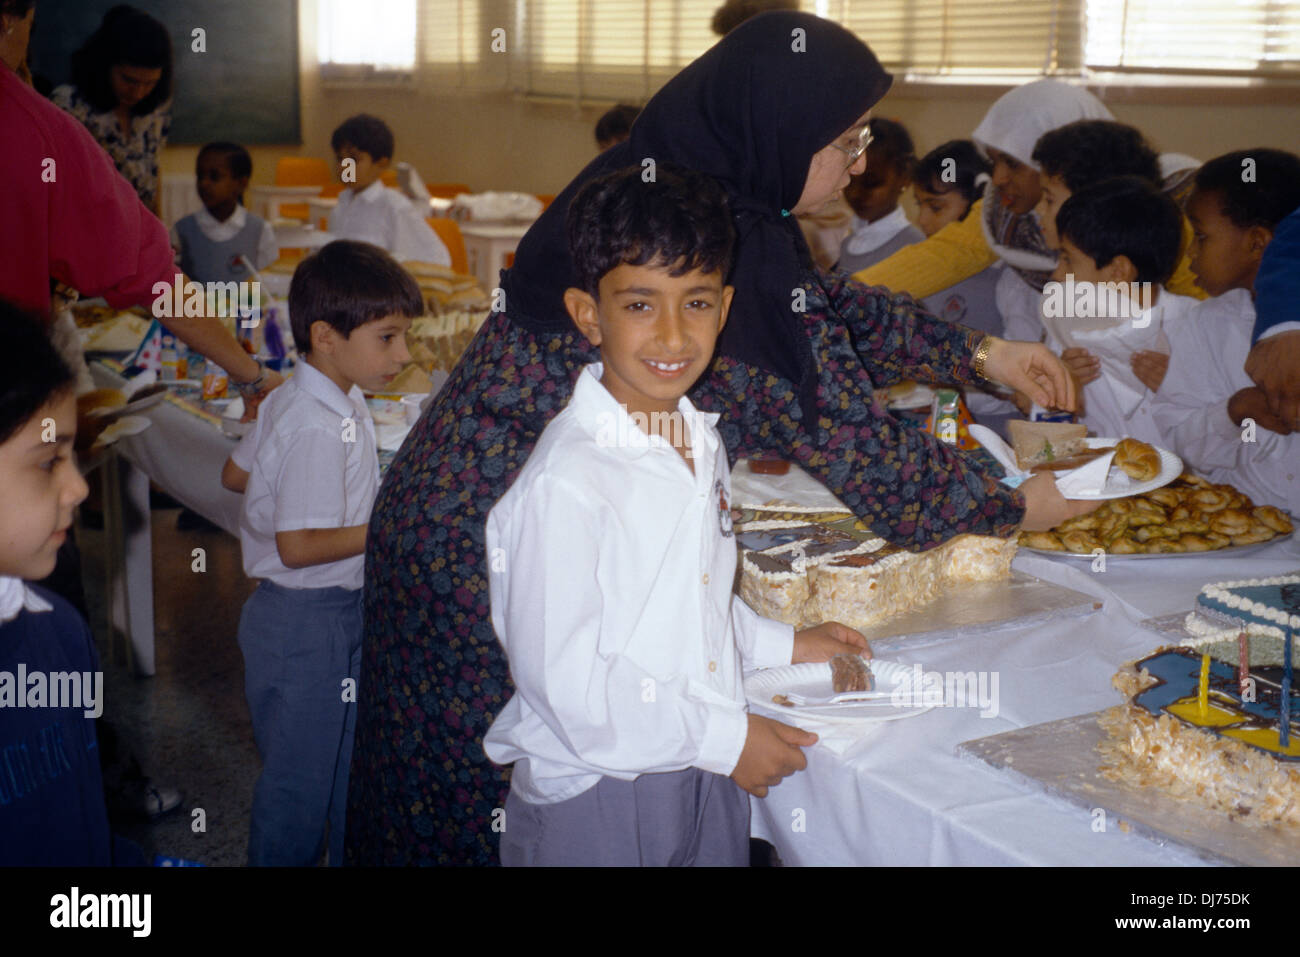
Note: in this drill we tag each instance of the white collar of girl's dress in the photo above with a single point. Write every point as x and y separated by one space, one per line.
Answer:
868 237
16 596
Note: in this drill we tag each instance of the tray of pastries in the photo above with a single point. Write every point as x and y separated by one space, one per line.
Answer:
1187 516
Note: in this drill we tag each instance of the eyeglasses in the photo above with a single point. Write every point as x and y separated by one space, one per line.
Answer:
863 141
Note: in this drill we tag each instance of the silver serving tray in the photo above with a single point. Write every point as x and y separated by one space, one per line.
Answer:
1060 759
1232 551
975 607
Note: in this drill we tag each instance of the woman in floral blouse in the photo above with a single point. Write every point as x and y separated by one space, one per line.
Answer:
121 91
775 112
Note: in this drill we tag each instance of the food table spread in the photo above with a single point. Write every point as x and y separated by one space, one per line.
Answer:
894 793
873 793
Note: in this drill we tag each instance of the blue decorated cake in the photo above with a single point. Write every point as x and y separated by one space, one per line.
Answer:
1266 606
1231 755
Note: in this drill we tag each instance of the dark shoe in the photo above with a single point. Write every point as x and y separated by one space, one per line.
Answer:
160 800
141 797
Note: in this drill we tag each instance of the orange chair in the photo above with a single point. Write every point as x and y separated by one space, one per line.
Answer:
449 232
446 190
302 171
546 199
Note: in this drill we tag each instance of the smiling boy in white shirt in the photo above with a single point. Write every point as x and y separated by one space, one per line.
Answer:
309 472
613 559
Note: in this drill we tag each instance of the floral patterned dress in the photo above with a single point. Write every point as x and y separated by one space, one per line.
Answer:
433 673
134 155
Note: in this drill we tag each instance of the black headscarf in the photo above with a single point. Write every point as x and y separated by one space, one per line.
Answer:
751 112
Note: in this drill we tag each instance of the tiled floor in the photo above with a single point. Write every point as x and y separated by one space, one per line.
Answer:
188 725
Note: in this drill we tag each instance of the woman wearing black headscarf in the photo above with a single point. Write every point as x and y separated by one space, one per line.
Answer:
774 112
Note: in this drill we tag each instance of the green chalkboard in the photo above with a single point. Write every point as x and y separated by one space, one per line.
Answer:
243 88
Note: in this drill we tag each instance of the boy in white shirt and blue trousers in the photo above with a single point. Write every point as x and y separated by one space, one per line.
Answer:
612 561
309 472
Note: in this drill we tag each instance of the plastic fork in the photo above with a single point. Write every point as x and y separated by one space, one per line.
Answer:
794 700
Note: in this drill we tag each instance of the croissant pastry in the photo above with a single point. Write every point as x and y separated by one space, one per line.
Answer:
1137 460
1272 517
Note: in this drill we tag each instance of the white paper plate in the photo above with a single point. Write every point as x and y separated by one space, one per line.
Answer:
139 405
1119 485
814 680
125 426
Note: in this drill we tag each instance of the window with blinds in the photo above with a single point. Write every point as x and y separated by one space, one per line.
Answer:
626 49
1259 37
967 38
607 49
449 34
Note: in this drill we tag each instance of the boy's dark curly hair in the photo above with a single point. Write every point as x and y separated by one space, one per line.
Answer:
1267 196
367 133
1088 151
1125 216
347 284
681 221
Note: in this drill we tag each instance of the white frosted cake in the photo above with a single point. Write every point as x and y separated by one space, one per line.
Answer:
805 566
1258 606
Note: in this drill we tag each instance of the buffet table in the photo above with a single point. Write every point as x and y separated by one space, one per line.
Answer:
894 793
889 793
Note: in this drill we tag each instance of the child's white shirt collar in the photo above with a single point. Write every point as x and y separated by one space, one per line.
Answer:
372 193
218 231
868 237
603 416
17 596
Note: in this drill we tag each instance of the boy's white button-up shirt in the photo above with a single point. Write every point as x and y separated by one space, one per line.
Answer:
386 218
610 573
312 463
1117 404
1206 368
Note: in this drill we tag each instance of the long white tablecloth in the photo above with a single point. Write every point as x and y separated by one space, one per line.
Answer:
900 796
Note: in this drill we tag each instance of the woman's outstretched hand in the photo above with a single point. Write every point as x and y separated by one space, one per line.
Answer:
1033 369
1046 507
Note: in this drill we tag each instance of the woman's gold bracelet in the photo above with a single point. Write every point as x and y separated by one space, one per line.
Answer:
981 356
